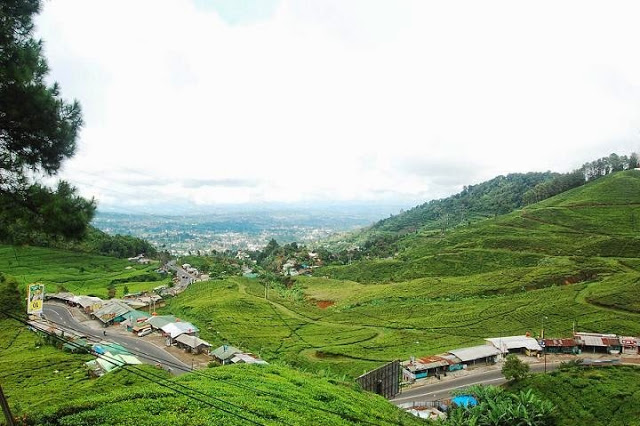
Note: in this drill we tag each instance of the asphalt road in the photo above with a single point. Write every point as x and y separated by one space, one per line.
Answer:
145 351
183 276
442 390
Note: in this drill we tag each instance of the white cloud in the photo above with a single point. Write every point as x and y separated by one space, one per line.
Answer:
336 100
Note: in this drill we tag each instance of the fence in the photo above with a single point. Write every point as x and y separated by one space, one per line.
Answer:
384 380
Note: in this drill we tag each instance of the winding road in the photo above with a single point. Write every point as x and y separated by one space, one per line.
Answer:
145 351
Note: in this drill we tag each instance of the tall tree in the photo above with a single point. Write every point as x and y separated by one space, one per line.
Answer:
38 131
514 369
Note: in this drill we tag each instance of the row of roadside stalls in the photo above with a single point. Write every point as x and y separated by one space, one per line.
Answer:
497 347
87 303
593 343
459 359
605 343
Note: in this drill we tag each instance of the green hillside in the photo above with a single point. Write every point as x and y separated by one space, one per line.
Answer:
606 396
573 259
499 195
77 272
566 259
46 386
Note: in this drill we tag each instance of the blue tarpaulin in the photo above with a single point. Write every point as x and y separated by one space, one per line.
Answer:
465 401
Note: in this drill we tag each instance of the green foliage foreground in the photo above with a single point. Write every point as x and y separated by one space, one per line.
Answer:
589 395
496 407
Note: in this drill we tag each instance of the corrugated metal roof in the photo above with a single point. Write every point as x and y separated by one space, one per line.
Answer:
550 343
86 301
427 363
175 329
225 352
161 320
247 359
111 310
590 340
515 342
611 341
191 341
629 341
475 352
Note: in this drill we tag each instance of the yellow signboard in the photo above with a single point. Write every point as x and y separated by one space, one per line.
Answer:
35 298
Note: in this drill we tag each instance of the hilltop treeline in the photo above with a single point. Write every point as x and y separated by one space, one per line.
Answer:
116 245
578 177
499 195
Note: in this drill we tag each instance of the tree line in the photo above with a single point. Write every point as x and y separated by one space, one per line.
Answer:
586 173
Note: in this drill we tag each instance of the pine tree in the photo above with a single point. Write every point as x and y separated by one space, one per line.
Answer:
38 131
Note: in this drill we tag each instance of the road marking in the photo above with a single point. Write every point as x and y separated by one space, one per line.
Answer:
440 391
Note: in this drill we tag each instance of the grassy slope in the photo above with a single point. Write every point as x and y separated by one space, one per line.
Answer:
51 387
593 396
564 259
77 272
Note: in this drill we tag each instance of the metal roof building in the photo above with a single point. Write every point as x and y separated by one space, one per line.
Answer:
597 342
247 359
192 343
91 302
161 320
476 353
515 344
175 329
225 352
111 310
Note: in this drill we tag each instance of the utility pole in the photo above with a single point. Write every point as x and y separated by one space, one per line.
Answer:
544 348
5 409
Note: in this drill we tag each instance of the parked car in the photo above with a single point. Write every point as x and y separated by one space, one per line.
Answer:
145 332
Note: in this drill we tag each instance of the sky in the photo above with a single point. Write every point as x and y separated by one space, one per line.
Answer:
214 102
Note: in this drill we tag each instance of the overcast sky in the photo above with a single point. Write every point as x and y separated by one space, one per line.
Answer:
248 101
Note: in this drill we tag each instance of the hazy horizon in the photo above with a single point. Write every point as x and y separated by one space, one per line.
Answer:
264 101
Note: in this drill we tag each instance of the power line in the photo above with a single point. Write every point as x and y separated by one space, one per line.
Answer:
238 385
146 374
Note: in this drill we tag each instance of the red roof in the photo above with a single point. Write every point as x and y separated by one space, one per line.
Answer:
559 343
611 341
434 358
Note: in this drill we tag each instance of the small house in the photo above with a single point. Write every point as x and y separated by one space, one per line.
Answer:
428 366
172 330
192 344
225 353
247 358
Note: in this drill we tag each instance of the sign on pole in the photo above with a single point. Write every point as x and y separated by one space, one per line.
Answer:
35 298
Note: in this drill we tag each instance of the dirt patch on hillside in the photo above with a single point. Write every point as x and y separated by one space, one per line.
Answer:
324 304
